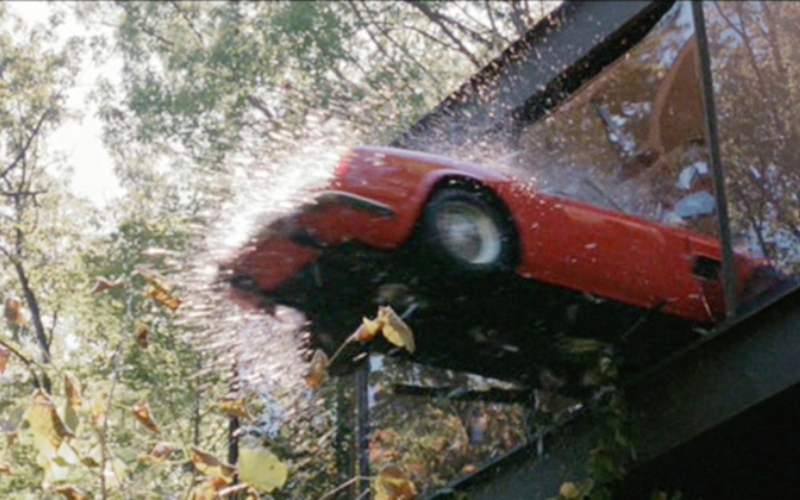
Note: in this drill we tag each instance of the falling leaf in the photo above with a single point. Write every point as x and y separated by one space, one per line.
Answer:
160 453
142 336
74 390
164 298
70 492
102 284
209 465
392 484
141 411
569 490
97 409
11 438
395 329
12 310
261 469
236 491
235 407
155 279
156 252
5 355
208 489
114 473
94 457
5 468
54 470
317 370
47 427
468 469
71 418
367 331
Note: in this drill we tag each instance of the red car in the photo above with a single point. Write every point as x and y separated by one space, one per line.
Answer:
476 221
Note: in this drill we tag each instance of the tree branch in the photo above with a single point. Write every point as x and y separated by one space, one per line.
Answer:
24 150
436 19
28 362
21 193
189 22
517 17
391 40
742 32
259 105
473 34
33 306
146 30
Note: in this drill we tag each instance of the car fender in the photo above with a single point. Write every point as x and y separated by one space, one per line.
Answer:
403 181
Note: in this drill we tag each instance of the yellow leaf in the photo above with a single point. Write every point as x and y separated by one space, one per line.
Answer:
97 409
46 425
141 411
209 465
142 336
156 280
367 331
395 329
235 407
160 453
569 490
74 390
70 492
94 457
208 489
392 484
156 252
114 473
102 284
12 310
261 469
318 369
55 468
164 298
11 438
5 355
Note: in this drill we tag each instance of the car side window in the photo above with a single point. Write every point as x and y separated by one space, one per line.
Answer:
754 60
632 139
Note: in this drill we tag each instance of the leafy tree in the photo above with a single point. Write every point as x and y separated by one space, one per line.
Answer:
87 353
210 76
107 310
754 66
247 84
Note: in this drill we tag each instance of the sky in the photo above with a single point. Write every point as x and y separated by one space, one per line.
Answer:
80 141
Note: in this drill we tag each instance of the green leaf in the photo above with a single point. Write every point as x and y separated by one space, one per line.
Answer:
261 469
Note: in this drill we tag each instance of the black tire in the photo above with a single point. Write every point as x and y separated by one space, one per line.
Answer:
468 230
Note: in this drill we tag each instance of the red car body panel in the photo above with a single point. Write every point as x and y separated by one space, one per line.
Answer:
378 194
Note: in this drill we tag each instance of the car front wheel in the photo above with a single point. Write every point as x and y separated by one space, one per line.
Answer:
468 230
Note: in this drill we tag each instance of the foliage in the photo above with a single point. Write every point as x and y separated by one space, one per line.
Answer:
211 76
112 387
754 62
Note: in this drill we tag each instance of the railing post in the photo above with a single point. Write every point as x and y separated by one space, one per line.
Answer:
712 135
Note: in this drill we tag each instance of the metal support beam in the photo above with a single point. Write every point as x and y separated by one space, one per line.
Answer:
684 397
718 174
529 77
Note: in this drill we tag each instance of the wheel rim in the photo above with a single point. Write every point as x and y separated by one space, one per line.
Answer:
468 233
